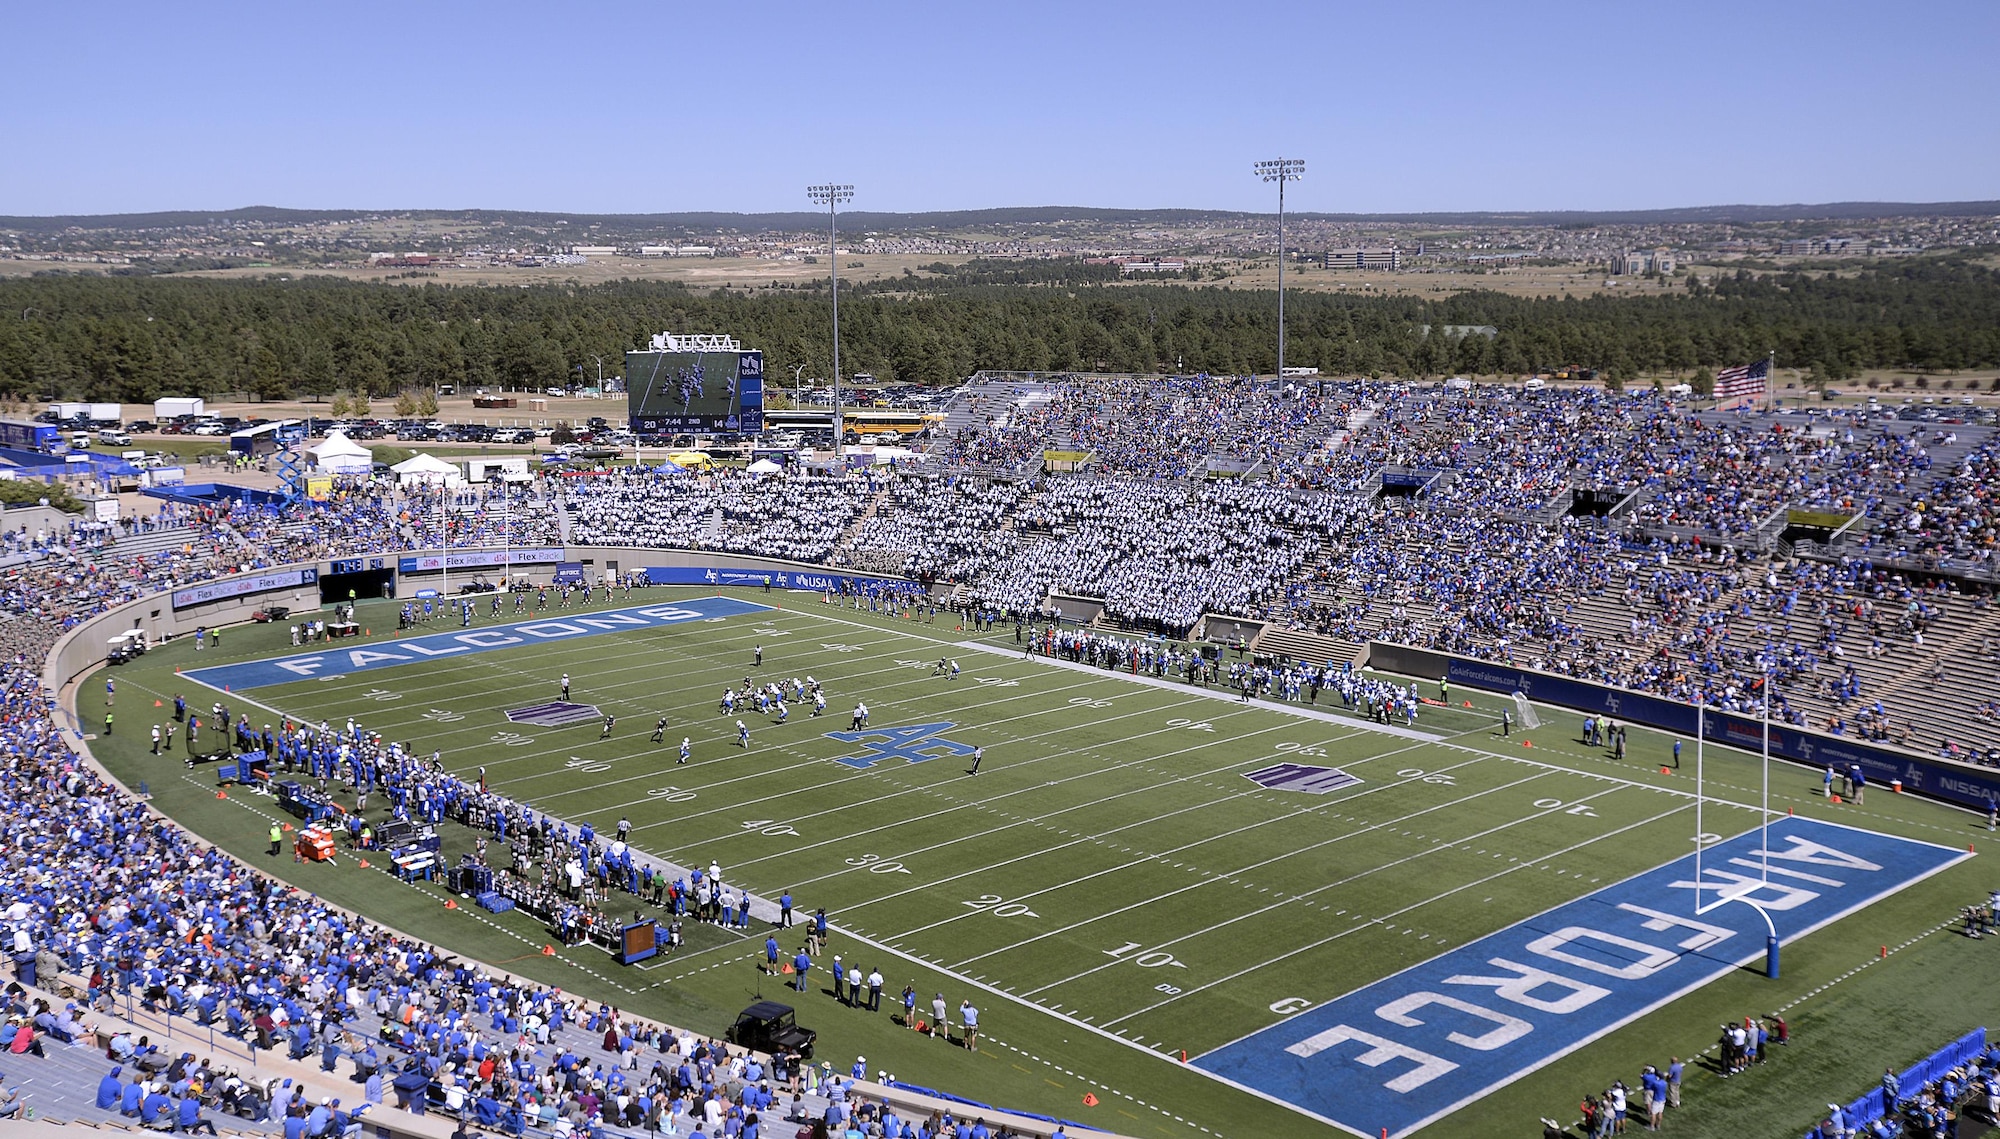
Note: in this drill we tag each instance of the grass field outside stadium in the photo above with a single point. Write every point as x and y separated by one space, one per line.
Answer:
1110 889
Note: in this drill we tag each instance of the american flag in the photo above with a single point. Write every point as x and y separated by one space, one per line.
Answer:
1731 383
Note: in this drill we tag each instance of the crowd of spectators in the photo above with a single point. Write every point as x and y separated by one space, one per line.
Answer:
104 894
1479 561
1463 569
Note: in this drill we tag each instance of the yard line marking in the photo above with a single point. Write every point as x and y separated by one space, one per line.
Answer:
1311 712
1460 801
1079 839
1145 858
763 775
978 803
1406 909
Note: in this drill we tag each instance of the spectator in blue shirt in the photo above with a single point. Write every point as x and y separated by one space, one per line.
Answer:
109 1090
189 1116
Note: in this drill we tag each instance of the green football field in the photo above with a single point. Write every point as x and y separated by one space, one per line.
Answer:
1109 888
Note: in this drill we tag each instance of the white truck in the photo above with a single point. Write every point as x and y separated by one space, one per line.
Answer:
95 412
173 407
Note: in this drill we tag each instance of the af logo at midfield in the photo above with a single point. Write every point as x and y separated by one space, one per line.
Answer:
911 743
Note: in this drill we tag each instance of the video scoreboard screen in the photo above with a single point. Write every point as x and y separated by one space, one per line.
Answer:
689 383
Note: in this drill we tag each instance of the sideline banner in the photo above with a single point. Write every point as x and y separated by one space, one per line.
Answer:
469 559
244 587
780 579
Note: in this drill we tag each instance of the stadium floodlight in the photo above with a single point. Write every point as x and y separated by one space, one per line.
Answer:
1281 171
831 195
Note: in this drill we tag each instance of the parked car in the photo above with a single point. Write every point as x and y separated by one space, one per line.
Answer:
209 428
114 438
768 1026
140 426
270 613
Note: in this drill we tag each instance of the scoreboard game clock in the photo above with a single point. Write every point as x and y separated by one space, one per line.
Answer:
695 383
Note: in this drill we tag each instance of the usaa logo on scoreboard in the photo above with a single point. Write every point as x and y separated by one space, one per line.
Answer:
750 364
911 743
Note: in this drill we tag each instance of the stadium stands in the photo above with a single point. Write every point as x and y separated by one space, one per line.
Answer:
1434 518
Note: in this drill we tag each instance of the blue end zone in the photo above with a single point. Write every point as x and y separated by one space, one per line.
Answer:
388 654
1423 1043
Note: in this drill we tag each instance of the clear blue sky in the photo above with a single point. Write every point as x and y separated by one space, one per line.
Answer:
589 107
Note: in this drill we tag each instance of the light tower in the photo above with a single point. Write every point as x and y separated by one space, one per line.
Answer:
1281 171
831 195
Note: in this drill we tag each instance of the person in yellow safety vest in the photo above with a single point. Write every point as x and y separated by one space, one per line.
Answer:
277 837
107 723
367 838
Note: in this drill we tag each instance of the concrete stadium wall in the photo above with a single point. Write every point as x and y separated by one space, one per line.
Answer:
1958 784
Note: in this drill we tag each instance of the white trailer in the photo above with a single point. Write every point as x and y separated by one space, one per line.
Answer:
107 413
173 407
511 469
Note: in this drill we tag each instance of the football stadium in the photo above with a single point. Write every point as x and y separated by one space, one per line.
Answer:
1145 755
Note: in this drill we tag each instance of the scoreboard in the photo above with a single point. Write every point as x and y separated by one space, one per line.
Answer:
694 383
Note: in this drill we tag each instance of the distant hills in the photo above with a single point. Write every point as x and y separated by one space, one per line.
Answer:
791 221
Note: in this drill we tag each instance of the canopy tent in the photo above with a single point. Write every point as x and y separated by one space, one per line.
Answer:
426 468
340 455
765 467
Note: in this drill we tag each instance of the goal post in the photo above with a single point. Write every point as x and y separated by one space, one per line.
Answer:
1524 712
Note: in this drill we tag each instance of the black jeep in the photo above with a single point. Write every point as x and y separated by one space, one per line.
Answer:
768 1026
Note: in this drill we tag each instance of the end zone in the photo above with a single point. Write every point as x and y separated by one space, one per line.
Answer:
1425 1042
335 661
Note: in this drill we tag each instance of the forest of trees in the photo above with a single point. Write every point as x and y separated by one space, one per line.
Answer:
132 339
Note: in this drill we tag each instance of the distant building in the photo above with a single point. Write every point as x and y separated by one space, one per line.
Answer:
1149 264
1820 247
401 260
677 251
1391 259
1633 263
594 250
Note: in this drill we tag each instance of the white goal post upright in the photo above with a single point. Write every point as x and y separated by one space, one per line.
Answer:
1525 712
1771 945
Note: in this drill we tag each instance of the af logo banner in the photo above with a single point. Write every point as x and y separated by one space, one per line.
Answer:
911 743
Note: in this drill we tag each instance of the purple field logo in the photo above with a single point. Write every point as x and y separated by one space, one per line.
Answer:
555 714
1300 777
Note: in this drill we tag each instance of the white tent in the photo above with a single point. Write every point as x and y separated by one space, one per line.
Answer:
427 468
342 456
765 467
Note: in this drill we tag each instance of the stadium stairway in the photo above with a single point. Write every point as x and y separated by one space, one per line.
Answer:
563 522
149 543
876 502
1309 647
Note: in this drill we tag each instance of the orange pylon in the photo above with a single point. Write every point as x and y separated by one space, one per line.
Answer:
548 951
